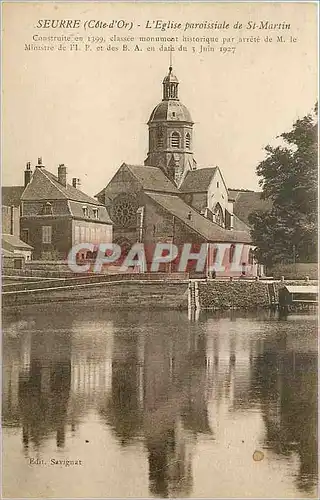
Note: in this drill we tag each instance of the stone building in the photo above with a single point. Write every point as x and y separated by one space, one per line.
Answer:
169 199
14 251
55 215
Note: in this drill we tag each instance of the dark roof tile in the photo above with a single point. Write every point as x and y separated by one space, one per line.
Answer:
172 110
210 231
152 178
45 186
77 212
197 181
11 195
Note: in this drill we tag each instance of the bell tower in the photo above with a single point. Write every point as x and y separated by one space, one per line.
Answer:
170 133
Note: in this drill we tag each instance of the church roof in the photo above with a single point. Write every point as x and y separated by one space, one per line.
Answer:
11 195
246 202
152 178
45 186
239 225
208 230
170 110
197 181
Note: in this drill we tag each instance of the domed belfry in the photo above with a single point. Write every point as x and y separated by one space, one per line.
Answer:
170 134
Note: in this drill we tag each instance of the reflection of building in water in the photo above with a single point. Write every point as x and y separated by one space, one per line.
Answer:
229 360
53 375
158 391
175 408
122 407
154 381
91 365
285 382
165 396
45 388
170 462
278 377
12 362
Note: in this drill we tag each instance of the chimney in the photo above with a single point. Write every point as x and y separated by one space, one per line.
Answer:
76 183
27 174
62 174
39 162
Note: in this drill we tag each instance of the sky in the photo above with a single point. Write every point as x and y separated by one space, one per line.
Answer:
89 110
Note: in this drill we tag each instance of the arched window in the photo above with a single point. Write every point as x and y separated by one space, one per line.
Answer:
188 141
175 140
231 252
218 213
160 139
174 87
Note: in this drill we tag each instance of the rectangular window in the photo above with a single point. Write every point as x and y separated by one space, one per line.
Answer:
85 211
95 213
46 234
17 263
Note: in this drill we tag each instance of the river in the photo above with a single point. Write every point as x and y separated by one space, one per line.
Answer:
99 403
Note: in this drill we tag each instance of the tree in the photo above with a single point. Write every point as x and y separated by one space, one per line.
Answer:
289 178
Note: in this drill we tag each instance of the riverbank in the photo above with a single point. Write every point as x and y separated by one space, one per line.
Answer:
243 294
149 291
117 294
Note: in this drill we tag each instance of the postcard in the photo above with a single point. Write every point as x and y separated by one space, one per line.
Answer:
159 249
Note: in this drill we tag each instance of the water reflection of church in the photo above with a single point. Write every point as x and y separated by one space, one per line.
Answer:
153 384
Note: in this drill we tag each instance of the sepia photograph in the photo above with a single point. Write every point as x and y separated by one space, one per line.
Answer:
159 195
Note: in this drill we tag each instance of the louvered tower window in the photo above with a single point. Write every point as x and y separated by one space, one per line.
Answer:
160 139
175 140
188 141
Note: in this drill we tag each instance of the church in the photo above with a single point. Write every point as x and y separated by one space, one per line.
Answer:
170 200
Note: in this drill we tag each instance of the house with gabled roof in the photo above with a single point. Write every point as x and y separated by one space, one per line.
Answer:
56 215
170 199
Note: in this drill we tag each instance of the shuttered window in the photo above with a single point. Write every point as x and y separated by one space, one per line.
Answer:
46 234
160 139
175 140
